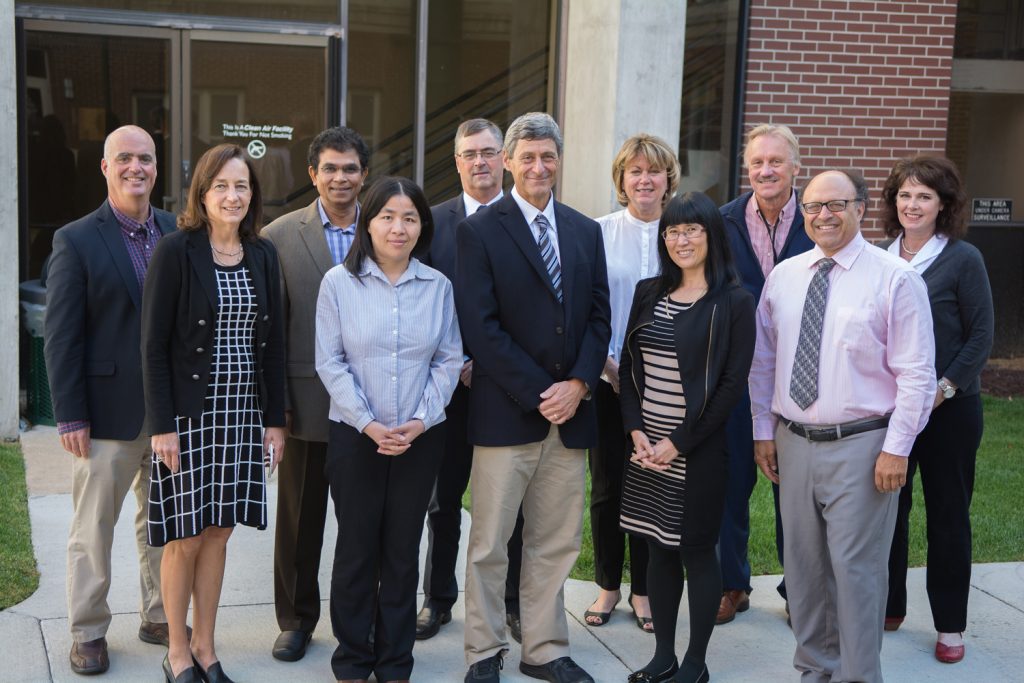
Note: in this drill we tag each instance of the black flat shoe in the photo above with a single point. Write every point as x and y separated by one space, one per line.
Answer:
189 675
689 672
648 677
429 622
290 646
215 674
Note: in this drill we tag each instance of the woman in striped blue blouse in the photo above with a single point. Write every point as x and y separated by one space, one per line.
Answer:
389 353
688 347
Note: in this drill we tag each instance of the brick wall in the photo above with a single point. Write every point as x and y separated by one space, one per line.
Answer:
860 83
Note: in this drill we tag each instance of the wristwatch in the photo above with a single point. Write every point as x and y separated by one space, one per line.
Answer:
947 389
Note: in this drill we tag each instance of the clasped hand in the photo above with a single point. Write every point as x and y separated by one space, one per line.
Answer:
560 401
657 457
396 440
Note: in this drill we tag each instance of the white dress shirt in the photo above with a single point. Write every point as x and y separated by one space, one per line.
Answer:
925 255
530 214
631 250
472 205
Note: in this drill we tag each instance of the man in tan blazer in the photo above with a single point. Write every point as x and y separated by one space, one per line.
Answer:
309 241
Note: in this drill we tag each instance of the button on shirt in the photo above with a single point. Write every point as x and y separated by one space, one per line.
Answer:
530 214
877 347
761 240
631 248
339 240
389 353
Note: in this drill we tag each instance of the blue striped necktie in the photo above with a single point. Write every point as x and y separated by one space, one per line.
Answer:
547 254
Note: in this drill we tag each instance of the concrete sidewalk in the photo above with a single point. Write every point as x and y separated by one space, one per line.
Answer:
756 647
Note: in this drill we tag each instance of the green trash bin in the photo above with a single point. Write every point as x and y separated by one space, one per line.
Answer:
33 310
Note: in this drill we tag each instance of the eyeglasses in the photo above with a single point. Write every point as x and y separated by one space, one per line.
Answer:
834 205
472 154
689 232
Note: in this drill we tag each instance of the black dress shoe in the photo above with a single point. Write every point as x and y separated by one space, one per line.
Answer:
485 671
189 675
514 627
215 674
648 677
89 657
430 620
561 670
290 646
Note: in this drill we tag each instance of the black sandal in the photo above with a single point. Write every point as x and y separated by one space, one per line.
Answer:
642 623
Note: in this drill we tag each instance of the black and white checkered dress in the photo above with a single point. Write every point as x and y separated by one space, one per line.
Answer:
221 479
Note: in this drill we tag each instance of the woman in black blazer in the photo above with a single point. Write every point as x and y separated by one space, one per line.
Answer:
688 347
213 374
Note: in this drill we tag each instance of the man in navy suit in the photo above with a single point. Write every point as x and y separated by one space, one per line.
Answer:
92 342
532 298
765 227
478 161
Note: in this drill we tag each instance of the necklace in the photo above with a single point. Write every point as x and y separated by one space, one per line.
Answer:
683 307
226 258
903 243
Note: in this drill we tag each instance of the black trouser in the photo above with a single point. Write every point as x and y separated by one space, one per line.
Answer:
380 502
444 516
302 494
945 451
607 464
665 579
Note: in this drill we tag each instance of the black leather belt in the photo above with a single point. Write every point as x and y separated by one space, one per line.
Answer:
836 432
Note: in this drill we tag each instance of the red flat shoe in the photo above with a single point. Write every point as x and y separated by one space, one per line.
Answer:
893 623
948 654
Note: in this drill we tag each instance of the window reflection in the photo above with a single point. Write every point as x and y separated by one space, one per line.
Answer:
293 10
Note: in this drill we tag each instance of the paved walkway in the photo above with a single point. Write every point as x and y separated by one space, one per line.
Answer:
757 647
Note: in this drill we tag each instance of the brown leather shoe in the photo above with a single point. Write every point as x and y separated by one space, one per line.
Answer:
90 657
157 632
732 602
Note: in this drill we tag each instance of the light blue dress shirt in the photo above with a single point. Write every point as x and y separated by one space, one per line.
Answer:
389 353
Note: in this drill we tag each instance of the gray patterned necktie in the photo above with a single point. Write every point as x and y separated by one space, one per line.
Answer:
803 384
547 253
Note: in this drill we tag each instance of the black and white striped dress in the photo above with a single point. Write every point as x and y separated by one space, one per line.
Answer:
220 481
654 503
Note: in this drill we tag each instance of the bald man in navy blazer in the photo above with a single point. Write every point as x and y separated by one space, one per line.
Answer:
532 299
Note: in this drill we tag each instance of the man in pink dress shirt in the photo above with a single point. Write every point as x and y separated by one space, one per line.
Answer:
835 419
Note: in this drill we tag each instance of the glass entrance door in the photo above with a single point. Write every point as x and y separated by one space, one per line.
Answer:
265 93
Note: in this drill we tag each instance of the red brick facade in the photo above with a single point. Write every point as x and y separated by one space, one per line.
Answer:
860 83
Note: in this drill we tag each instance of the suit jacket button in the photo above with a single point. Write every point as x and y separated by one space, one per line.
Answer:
266 318
202 323
195 376
558 366
263 344
200 349
558 330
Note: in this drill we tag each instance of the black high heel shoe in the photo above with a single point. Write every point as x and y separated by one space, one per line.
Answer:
648 677
189 675
215 674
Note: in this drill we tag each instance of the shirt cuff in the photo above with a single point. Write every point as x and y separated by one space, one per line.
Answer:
764 428
898 444
66 427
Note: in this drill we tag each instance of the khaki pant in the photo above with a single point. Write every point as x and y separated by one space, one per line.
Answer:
99 484
548 480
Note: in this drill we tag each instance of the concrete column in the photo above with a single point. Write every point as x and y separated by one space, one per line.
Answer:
624 75
8 227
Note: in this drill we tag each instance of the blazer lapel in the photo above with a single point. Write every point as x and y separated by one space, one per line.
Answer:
110 231
255 261
514 223
201 260
312 232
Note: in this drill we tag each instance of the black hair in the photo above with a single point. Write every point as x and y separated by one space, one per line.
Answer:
380 192
696 208
340 139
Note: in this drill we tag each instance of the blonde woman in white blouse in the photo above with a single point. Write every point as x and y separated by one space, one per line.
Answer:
389 353
645 173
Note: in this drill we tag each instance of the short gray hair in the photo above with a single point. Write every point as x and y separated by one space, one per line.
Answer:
474 126
533 126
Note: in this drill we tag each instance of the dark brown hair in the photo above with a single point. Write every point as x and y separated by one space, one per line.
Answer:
194 217
941 176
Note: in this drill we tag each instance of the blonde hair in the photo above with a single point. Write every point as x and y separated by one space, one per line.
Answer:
657 153
779 131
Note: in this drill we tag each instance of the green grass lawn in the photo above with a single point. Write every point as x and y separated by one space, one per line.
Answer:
18 575
997 517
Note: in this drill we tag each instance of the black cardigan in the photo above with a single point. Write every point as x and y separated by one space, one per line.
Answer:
179 309
714 349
